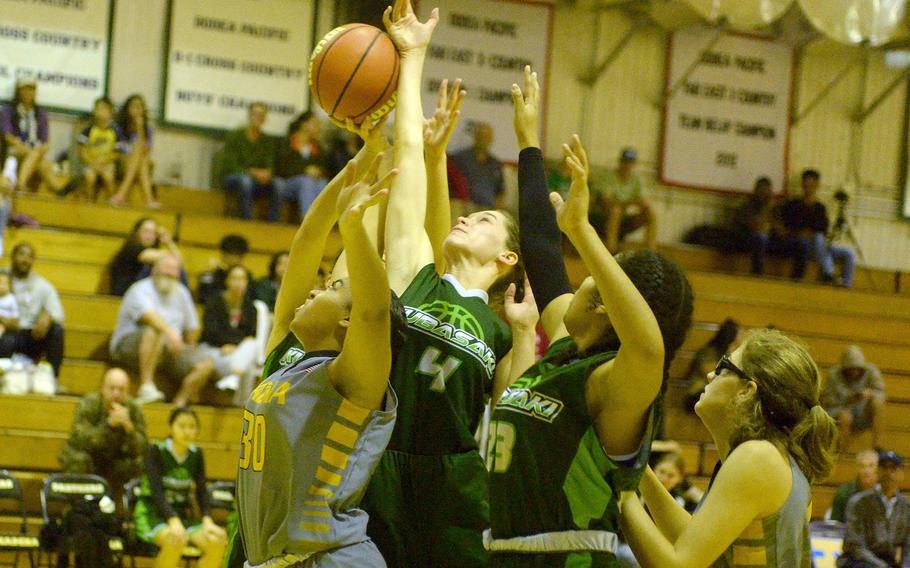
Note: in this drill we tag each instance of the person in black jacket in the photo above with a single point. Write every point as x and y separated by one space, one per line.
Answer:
229 333
300 164
147 243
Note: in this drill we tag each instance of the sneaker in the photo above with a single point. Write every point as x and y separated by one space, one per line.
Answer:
148 393
229 383
43 381
15 380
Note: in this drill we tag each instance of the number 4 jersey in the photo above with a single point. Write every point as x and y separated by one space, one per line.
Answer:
306 458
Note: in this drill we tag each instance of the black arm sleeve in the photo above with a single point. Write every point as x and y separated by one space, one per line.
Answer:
202 494
540 237
153 471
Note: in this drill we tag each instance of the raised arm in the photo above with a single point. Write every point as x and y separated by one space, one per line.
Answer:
669 516
361 371
626 386
408 248
307 249
541 241
437 131
522 317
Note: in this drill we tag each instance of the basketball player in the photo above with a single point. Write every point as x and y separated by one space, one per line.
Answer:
313 431
580 422
428 499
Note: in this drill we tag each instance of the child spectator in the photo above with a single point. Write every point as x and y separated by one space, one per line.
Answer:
24 127
670 469
266 288
229 333
9 308
233 248
147 243
173 468
99 147
133 123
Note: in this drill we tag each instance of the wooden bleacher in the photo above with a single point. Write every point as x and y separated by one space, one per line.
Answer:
77 240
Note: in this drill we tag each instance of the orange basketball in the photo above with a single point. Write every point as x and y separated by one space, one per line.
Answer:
353 73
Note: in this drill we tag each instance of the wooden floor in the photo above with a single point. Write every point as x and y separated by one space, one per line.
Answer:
78 240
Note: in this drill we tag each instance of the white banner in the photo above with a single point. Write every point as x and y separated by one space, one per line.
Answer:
63 44
487 43
728 122
223 55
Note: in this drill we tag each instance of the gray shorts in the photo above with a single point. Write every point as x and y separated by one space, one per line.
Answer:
861 412
361 554
174 366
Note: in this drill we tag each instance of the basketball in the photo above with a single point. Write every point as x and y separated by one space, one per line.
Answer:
353 73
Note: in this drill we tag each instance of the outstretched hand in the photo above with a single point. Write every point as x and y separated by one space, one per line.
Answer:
372 133
527 110
521 314
408 34
438 129
358 196
572 213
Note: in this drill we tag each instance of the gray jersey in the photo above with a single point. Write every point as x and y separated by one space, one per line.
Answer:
306 458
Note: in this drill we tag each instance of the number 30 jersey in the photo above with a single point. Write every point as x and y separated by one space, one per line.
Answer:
306 458
445 370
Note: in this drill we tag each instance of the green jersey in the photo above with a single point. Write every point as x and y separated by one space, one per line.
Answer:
167 487
548 470
288 352
444 373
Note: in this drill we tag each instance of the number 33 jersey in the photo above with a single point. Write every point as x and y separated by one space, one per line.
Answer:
445 370
306 458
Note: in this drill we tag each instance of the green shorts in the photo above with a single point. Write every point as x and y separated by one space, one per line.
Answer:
563 559
149 524
429 510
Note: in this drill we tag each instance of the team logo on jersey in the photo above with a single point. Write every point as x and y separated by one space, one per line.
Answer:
291 356
530 403
454 325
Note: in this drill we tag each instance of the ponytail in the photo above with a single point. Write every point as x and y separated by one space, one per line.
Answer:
811 443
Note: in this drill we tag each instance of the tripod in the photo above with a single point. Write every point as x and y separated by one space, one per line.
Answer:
843 230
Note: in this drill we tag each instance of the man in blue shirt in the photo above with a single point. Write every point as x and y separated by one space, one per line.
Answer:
482 170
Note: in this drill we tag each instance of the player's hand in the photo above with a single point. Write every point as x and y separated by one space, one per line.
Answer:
372 133
228 348
213 531
408 34
438 129
527 111
572 213
358 196
176 532
521 315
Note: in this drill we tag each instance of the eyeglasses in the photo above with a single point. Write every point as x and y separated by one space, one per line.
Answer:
726 364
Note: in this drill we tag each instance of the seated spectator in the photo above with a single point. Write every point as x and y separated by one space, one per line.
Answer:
8 177
158 330
706 359
9 307
24 127
300 164
40 330
99 150
752 222
866 480
877 531
266 288
249 162
854 395
173 469
108 434
133 123
147 243
345 146
618 207
670 470
233 249
482 170
229 334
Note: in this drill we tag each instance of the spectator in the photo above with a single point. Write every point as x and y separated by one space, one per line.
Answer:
8 167
706 358
344 147
9 308
229 334
752 225
560 178
157 329
854 395
866 479
99 148
134 126
670 470
266 288
482 170
807 220
173 468
618 200
233 248
108 434
40 330
300 165
877 531
141 250
24 127
249 161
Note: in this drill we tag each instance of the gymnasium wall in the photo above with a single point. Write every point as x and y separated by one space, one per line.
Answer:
623 108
